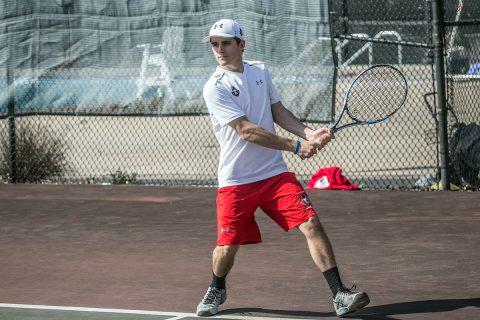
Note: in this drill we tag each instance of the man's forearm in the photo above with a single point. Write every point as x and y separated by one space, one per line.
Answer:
254 133
287 120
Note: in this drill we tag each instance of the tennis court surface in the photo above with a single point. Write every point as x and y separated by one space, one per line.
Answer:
137 252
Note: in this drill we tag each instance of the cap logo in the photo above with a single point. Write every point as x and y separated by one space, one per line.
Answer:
219 26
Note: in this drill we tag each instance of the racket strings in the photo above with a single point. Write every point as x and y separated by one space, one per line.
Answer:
376 94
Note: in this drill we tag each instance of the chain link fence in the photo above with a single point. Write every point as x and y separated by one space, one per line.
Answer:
101 111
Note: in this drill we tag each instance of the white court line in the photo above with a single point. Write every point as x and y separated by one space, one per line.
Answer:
174 315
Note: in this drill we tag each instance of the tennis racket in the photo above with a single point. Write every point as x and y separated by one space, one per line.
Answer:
375 95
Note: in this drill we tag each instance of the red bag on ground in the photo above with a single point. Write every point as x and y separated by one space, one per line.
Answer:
330 179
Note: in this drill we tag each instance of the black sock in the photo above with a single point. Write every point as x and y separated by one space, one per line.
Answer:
218 282
333 278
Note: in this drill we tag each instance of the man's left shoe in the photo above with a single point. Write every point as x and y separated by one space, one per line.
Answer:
209 304
347 301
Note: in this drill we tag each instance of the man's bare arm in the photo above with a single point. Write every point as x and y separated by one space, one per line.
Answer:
287 120
251 132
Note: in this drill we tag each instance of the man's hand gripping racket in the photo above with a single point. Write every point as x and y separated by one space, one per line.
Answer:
375 95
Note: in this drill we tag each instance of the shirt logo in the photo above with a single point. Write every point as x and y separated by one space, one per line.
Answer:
235 92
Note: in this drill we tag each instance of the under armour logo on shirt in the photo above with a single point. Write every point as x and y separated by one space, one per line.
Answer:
259 82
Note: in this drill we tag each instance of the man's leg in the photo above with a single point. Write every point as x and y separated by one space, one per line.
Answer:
222 262
318 244
345 300
223 258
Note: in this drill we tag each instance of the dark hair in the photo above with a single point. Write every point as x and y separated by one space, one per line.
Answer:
238 41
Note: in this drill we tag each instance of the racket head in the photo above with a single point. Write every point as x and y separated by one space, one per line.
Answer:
374 95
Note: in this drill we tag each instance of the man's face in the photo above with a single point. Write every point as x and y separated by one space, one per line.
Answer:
227 51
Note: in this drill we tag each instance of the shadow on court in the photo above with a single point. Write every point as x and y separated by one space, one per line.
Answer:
149 248
376 312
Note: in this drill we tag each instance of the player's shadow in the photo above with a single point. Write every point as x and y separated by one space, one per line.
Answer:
386 312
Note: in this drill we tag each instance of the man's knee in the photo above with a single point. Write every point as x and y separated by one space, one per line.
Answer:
311 227
227 251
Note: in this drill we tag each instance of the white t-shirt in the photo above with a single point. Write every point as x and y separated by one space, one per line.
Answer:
231 95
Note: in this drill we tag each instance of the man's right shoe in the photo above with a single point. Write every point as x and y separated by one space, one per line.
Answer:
209 305
347 301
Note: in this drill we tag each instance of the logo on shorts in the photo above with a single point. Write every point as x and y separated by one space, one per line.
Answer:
235 91
224 230
305 199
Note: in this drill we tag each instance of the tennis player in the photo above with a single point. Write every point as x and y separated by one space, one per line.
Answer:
244 105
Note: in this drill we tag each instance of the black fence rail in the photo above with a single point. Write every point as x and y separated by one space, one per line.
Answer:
434 138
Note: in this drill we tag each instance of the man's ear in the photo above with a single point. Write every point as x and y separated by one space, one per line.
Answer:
242 45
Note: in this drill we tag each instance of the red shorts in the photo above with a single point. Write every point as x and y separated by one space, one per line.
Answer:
281 197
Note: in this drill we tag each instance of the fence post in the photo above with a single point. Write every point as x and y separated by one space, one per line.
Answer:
439 65
11 113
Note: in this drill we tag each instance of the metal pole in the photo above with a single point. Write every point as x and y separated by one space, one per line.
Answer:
11 113
439 65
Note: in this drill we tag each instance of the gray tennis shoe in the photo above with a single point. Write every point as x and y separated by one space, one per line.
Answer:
347 301
209 305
